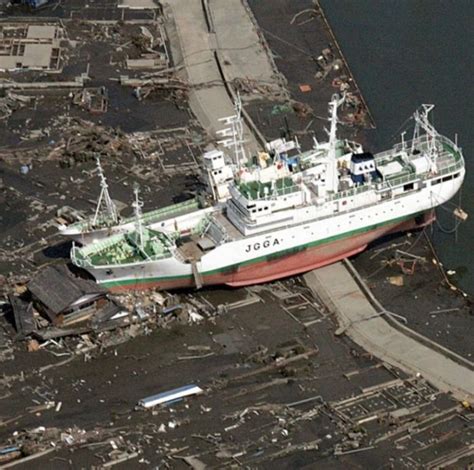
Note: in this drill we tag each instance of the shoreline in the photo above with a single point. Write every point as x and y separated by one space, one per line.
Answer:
346 65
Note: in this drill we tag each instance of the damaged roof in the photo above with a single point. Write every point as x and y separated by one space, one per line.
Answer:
58 289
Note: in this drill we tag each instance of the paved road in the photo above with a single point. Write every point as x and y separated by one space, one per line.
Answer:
364 325
237 43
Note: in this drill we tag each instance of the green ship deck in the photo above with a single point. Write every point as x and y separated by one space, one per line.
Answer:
124 249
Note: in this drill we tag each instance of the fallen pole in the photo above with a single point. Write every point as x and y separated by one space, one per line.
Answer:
27 459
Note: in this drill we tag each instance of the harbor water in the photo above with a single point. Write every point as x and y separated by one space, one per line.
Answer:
404 53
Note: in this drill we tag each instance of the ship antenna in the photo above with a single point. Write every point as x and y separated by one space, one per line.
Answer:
137 206
334 105
104 201
332 179
297 143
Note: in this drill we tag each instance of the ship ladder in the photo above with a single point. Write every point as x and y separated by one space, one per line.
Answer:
206 227
196 274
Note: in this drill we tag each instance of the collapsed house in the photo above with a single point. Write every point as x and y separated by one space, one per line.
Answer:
60 304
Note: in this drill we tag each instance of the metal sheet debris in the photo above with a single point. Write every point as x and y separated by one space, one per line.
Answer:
171 395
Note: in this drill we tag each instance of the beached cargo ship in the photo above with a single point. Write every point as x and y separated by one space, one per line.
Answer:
289 212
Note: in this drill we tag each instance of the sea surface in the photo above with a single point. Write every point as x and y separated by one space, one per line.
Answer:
403 53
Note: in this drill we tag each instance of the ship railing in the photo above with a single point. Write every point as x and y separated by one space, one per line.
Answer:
382 157
86 224
168 211
78 258
349 192
397 181
287 190
451 148
392 182
420 143
84 254
271 195
420 177
445 160
449 169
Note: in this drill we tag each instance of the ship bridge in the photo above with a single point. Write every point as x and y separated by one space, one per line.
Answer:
254 200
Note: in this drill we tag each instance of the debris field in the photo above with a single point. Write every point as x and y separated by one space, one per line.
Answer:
219 378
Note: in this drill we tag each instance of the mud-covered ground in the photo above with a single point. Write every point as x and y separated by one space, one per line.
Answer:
420 289
275 381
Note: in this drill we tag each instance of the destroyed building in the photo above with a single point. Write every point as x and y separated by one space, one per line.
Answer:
30 46
60 296
60 304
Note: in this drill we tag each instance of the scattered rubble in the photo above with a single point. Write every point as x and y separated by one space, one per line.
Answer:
11 102
95 100
56 304
269 404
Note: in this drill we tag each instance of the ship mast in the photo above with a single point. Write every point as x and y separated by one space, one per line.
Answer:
137 206
104 203
332 177
234 134
422 122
